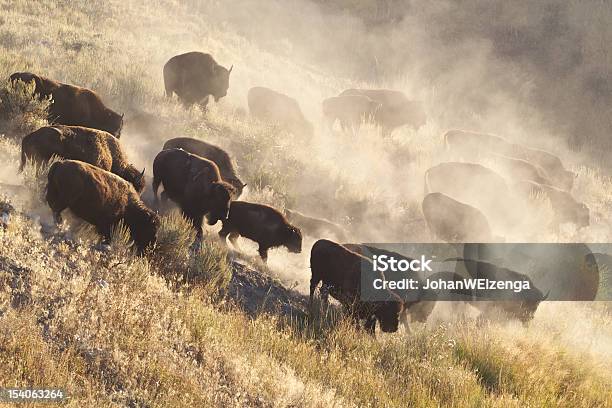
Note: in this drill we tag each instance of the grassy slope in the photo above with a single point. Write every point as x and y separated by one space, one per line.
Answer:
113 333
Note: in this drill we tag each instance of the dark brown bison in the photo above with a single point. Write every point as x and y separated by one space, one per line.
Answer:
92 146
262 224
565 207
43 86
271 106
453 221
194 183
396 109
519 305
350 110
194 76
417 305
315 227
100 198
210 152
76 106
339 271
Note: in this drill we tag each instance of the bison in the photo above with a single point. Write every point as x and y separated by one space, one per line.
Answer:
315 227
271 106
350 110
100 198
339 271
519 305
262 224
475 185
195 184
213 153
565 207
74 105
470 145
194 76
43 87
519 169
92 146
395 108
453 221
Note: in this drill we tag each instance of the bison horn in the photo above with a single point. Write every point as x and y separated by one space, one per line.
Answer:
546 295
230 70
142 174
244 185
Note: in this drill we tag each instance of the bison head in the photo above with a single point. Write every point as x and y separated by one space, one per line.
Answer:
221 81
143 224
388 314
293 239
219 204
135 177
114 123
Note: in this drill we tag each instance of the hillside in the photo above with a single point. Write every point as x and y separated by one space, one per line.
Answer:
216 327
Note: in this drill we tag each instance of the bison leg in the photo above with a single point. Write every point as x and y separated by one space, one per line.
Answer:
263 253
233 237
370 325
197 221
56 203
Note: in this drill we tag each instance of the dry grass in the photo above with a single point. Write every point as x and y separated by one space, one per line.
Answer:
114 329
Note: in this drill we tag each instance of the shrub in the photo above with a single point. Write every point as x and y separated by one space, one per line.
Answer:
20 112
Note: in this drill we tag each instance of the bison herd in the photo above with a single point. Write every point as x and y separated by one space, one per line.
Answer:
97 183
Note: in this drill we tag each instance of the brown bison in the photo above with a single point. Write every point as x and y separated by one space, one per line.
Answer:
475 185
350 110
565 207
271 106
194 76
453 221
395 108
262 224
43 86
92 146
100 198
519 305
315 227
76 106
519 169
470 145
210 152
339 271
194 183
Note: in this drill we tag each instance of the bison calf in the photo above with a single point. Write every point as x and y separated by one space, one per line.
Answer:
194 183
92 146
339 271
262 224
100 198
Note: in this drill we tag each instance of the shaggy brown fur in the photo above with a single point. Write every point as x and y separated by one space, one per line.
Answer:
193 183
339 270
74 105
92 146
271 106
210 152
100 198
44 86
194 76
262 224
